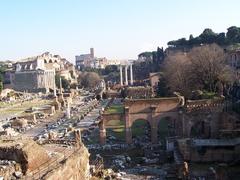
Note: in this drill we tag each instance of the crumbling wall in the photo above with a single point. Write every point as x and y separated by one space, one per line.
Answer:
76 167
25 152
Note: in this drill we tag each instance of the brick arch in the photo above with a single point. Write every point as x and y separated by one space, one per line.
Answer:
146 120
174 115
136 117
204 122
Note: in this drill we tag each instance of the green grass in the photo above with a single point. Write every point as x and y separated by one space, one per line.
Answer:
115 109
208 95
116 128
138 127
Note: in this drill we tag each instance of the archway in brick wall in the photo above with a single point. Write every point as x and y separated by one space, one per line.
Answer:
141 130
163 129
200 129
115 130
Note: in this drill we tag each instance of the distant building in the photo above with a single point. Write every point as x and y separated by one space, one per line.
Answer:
100 63
37 74
234 62
32 75
85 60
90 61
114 62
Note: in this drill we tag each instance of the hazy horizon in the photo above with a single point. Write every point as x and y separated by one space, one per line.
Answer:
116 29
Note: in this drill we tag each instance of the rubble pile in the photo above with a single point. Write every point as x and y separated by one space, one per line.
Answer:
10 169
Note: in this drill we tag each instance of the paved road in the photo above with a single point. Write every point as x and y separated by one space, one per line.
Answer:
85 123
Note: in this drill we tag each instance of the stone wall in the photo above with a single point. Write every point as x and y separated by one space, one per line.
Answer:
217 153
76 167
34 80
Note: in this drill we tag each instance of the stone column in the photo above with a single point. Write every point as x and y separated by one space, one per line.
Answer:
54 86
102 131
121 76
183 127
60 85
68 111
126 75
131 75
128 130
154 126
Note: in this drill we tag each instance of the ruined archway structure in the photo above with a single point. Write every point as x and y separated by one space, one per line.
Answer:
154 110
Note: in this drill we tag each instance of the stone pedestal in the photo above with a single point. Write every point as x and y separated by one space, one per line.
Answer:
154 134
154 125
128 135
102 132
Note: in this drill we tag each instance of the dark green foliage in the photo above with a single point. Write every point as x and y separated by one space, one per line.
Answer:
209 37
153 62
2 69
110 72
1 86
145 54
109 69
65 82
233 34
162 88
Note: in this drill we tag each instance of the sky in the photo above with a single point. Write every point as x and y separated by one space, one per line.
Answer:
117 29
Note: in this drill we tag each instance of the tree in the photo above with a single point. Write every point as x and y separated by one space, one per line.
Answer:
90 80
203 68
110 68
208 65
162 88
208 36
65 82
233 34
160 55
1 86
221 39
177 73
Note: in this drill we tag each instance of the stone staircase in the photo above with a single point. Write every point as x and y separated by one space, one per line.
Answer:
172 173
178 157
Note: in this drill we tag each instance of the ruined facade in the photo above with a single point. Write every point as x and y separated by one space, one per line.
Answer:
183 117
37 74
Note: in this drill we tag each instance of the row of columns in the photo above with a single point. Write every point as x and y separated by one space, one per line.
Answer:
126 75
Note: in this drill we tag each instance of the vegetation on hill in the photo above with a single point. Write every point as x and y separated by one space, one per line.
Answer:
208 36
151 62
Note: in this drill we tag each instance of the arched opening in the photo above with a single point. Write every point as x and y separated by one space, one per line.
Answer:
45 61
50 61
55 61
166 128
200 129
115 131
141 131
